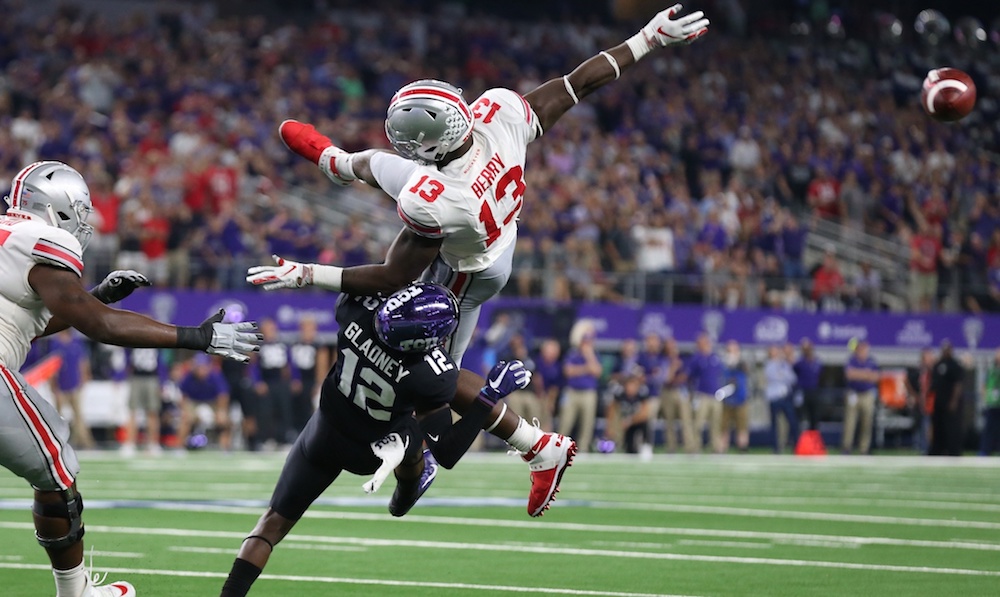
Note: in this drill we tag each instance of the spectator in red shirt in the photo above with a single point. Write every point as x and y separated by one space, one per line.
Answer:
107 206
935 208
196 187
823 195
220 179
155 230
828 283
993 250
925 250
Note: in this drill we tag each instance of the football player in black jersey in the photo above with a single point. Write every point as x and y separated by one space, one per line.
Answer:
388 392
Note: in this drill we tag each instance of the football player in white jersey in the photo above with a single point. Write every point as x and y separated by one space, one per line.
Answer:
42 238
458 180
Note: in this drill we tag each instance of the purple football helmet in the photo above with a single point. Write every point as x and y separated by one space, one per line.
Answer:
417 318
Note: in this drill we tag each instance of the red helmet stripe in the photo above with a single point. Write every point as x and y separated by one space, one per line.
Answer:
15 192
451 97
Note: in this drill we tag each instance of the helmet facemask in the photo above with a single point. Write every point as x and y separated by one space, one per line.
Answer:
55 193
426 120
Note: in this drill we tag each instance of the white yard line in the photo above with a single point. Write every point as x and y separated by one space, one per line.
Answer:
543 550
751 512
230 551
241 506
363 581
711 543
117 554
806 539
797 515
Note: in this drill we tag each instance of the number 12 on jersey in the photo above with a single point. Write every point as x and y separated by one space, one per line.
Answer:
366 386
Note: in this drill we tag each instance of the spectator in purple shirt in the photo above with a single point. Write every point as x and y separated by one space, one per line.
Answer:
307 244
675 400
654 363
204 384
547 380
793 246
582 371
352 243
862 390
713 233
221 255
628 359
890 211
706 375
807 370
75 370
282 232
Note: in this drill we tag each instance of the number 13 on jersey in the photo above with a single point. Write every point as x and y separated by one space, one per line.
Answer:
515 177
510 184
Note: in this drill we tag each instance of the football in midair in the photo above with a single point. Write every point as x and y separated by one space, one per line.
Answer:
948 94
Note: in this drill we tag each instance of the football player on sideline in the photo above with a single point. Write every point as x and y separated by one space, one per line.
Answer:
42 238
389 368
459 185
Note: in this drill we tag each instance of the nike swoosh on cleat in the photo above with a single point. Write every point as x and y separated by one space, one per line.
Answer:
539 445
427 483
433 438
121 588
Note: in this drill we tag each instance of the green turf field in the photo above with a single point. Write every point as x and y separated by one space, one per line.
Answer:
733 525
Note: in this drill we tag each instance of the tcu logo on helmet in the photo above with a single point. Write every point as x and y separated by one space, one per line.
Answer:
402 297
419 344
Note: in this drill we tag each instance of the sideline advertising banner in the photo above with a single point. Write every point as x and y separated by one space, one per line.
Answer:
614 322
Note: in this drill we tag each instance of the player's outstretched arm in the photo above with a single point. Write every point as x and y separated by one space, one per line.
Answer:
63 294
409 255
554 98
116 286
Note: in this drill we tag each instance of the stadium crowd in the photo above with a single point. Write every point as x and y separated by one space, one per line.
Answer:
696 178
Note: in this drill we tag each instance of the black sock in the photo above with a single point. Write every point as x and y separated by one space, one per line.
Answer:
241 577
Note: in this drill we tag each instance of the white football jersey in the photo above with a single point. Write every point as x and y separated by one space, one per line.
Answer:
25 243
473 202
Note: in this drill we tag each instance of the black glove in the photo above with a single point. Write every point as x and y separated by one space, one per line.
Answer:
118 285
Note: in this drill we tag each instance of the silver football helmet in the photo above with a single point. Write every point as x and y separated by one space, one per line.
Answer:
427 119
57 194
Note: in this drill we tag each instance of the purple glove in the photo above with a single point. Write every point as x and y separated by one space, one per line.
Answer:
504 378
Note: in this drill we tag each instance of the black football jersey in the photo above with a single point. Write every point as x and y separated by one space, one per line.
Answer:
372 387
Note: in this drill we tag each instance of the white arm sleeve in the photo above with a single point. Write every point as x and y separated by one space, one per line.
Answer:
392 172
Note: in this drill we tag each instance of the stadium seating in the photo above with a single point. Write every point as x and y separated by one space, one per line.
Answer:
717 148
